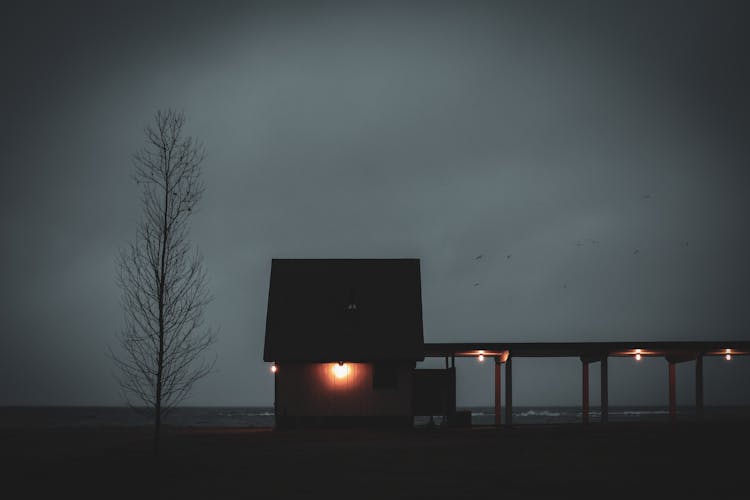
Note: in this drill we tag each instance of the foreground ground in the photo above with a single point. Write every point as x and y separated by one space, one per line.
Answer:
569 461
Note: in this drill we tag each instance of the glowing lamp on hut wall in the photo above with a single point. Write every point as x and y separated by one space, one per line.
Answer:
728 355
637 354
340 370
274 368
481 356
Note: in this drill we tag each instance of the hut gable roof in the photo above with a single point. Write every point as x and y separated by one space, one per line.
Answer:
322 310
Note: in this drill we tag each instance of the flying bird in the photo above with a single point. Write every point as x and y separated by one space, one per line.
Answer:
508 256
478 257
636 251
476 284
646 197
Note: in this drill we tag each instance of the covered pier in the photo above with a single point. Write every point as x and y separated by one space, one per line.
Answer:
588 352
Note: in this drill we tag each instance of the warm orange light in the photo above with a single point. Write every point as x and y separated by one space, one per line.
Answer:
341 370
274 368
637 354
728 355
480 357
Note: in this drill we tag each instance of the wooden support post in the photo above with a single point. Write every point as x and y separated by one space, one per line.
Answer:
498 392
604 391
508 391
672 391
585 413
446 363
699 386
453 360
275 391
452 397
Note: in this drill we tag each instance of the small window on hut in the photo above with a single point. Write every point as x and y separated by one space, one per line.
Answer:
384 376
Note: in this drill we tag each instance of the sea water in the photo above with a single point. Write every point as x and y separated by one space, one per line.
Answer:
262 416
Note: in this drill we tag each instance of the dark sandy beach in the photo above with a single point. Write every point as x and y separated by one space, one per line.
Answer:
687 460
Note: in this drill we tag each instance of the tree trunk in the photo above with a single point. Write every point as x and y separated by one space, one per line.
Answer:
157 431
162 279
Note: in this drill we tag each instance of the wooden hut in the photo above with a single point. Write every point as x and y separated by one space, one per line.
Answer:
344 336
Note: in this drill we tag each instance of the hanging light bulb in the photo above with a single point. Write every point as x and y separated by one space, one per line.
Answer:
481 356
274 368
728 355
637 354
341 369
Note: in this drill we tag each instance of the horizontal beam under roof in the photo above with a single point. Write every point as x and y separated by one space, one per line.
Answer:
681 350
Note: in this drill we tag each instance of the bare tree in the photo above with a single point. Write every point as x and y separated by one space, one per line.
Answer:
162 278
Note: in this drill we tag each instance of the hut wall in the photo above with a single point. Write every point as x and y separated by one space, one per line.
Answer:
313 389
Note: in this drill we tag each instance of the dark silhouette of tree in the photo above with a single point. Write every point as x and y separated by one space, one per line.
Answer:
162 278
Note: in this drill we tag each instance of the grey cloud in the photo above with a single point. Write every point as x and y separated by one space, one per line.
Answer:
431 130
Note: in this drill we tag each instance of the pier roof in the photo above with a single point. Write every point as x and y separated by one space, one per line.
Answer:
677 350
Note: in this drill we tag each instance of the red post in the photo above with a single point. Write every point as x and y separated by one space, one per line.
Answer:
585 392
508 391
699 386
498 395
672 391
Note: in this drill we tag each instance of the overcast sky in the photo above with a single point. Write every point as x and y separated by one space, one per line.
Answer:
595 153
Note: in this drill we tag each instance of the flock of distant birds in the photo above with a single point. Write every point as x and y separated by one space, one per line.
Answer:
581 243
